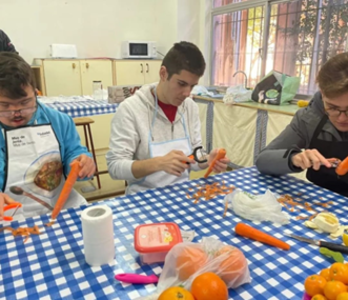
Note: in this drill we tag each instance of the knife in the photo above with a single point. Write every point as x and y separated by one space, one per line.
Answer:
328 245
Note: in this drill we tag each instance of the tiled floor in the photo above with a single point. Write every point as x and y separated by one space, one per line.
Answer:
109 187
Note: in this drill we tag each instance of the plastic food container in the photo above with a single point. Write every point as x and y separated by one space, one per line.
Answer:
153 241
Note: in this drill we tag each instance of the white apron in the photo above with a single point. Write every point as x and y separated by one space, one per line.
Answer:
35 171
161 178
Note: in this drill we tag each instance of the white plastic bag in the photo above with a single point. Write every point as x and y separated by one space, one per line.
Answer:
185 261
237 94
257 208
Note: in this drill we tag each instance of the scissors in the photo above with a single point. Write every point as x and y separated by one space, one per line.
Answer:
15 206
194 155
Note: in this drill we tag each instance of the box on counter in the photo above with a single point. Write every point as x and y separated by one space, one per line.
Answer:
118 93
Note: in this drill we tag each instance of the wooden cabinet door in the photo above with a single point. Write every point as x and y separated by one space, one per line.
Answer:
129 72
62 77
152 68
95 70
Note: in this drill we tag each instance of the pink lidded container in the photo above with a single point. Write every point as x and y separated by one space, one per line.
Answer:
153 241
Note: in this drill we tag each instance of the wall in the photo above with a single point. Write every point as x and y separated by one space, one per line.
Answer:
96 27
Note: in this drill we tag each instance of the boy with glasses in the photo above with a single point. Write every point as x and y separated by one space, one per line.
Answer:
316 134
37 143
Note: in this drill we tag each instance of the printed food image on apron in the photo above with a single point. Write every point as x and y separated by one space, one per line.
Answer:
44 175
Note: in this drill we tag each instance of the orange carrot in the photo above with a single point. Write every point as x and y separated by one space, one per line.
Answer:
257 235
221 154
68 185
342 168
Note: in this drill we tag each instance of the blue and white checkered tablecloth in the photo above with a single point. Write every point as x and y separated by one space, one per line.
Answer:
52 265
84 108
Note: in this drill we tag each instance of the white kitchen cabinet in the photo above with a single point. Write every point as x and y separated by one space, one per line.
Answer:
62 77
95 70
75 76
136 72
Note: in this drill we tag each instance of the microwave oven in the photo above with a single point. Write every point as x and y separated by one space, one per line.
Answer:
139 49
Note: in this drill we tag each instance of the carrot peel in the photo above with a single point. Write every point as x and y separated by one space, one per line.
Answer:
260 236
68 186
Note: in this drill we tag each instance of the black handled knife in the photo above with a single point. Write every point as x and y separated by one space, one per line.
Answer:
328 245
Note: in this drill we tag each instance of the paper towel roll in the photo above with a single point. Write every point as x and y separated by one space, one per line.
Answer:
98 235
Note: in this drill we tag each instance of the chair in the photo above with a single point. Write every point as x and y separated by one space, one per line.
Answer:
86 122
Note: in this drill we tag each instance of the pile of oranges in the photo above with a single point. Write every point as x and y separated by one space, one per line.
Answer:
231 266
330 284
225 267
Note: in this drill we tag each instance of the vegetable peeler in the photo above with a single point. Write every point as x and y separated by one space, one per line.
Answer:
194 155
15 206
136 278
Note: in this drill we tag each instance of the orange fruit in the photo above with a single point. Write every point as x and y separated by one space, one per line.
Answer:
315 284
326 274
318 297
233 267
189 261
339 272
176 293
209 286
342 296
333 288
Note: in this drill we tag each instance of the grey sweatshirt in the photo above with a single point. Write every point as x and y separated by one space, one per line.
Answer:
130 127
275 159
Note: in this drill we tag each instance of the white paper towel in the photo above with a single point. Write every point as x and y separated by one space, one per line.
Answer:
98 235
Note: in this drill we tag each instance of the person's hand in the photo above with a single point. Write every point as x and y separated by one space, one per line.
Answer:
175 162
221 164
4 199
310 158
87 165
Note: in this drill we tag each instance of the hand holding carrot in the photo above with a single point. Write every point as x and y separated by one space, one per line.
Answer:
87 166
217 161
68 186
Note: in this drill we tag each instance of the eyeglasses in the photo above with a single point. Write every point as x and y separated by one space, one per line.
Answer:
23 112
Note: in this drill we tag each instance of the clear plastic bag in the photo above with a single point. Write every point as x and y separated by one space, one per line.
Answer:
185 261
237 94
257 208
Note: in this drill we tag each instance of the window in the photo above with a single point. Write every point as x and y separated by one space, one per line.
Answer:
301 36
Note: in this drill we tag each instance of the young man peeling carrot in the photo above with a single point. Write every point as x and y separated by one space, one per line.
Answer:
154 131
317 136
38 145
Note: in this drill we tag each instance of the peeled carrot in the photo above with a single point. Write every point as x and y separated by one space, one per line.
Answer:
342 168
68 185
221 154
257 235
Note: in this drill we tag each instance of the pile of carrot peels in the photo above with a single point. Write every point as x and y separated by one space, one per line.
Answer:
291 204
23 231
209 191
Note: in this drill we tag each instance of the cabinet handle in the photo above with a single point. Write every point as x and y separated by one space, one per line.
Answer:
147 68
73 65
142 68
87 65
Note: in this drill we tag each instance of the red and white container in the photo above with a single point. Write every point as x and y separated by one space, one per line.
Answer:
153 241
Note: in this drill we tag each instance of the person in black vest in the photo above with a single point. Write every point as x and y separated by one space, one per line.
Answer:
5 43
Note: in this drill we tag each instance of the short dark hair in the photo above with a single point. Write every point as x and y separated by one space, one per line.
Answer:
15 74
184 56
333 76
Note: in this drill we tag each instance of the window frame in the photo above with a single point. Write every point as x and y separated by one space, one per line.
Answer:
234 7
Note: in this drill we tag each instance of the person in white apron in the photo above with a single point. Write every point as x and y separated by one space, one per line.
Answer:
38 144
154 131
